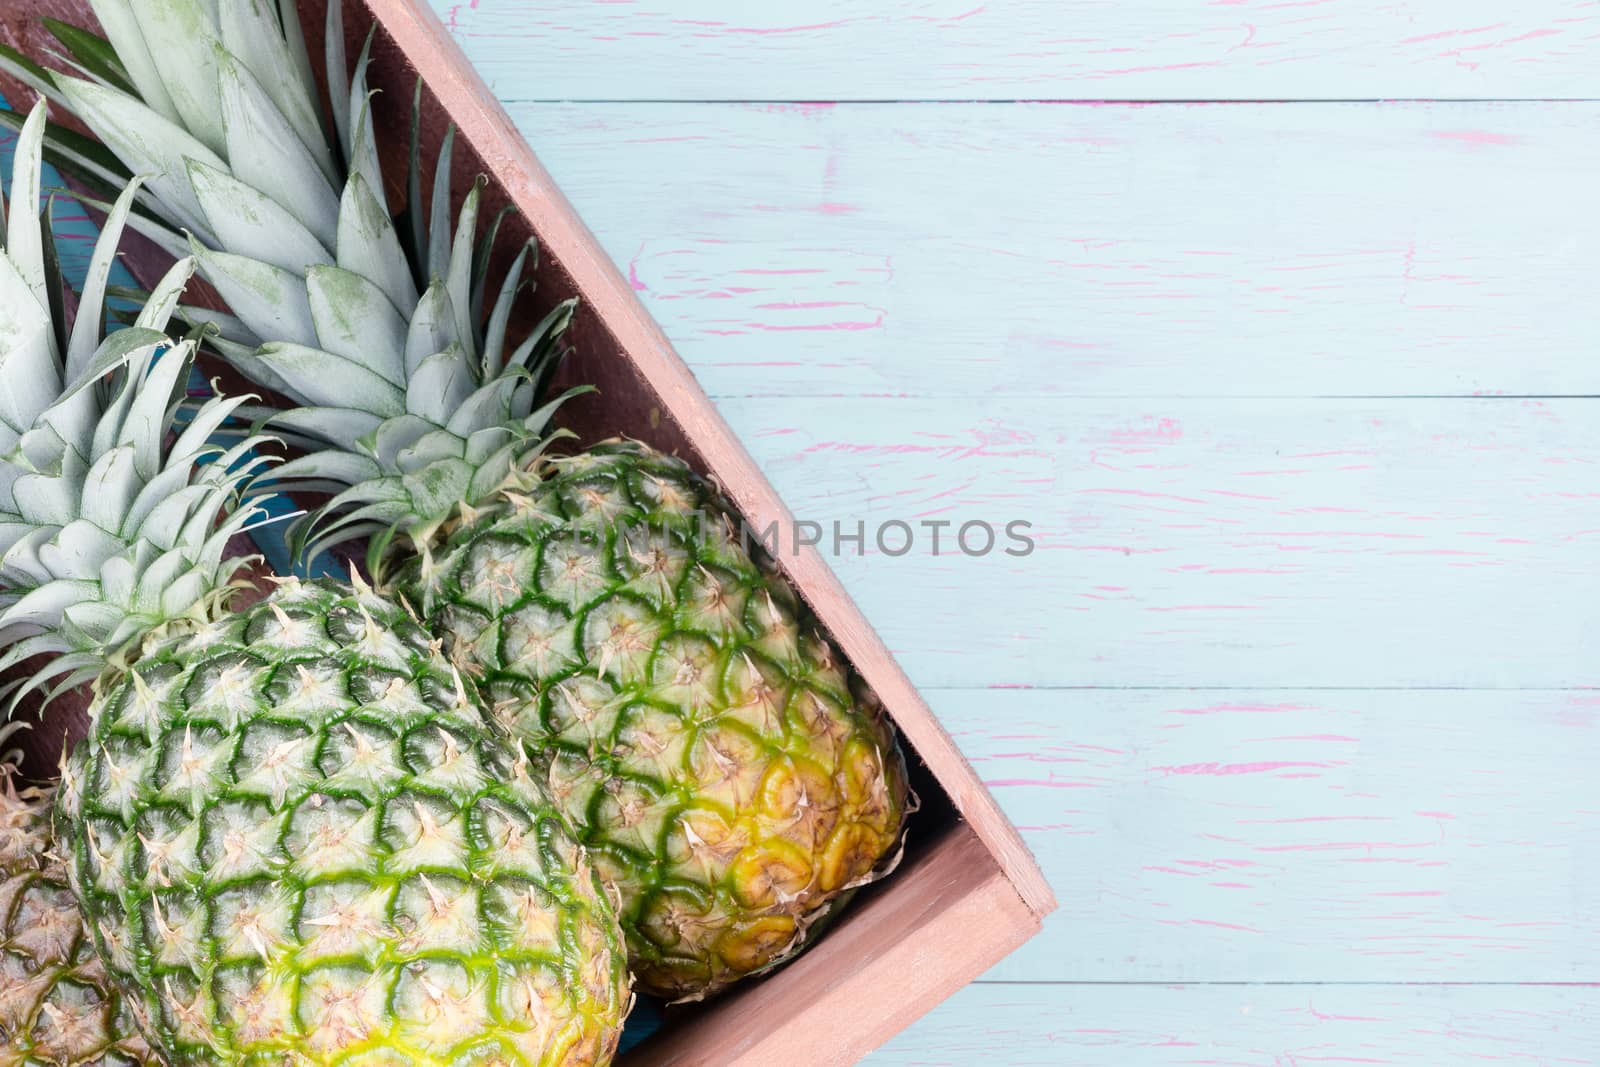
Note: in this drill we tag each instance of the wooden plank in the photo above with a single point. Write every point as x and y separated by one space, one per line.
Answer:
1354 543
1294 835
1029 49
1254 1026
1208 250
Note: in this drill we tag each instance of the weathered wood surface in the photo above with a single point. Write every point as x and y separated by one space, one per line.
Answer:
1074 250
1340 543
1255 1026
1284 470
1235 363
1028 49
1300 835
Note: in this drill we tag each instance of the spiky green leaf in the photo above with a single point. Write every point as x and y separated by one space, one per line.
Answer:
432 328
123 33
370 246
24 236
92 54
265 148
440 385
91 304
253 31
327 379
269 300
183 33
148 143
355 319
250 223
494 344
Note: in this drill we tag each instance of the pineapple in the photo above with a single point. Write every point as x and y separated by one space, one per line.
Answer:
58 1006
704 740
297 838
294 834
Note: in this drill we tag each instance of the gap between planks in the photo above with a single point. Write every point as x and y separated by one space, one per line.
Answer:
958 49
1047 687
1087 101
1297 837
1246 983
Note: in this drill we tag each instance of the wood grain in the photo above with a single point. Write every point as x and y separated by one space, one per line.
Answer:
1300 835
1345 543
1254 1026
1133 324
1079 250
1028 49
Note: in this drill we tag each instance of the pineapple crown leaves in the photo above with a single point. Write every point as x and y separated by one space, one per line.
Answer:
406 392
97 555
105 529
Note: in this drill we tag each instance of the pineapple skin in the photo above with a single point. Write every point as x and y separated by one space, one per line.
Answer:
703 741
297 840
58 1007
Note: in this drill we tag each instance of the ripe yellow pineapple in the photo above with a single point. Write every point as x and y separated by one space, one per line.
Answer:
702 738
58 1007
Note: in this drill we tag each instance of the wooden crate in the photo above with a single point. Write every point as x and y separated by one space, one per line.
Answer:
967 892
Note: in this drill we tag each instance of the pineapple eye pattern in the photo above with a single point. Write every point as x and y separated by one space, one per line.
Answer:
705 743
327 847
56 1002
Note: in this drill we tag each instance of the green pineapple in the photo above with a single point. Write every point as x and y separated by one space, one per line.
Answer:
293 832
298 839
58 1007
705 741
703 738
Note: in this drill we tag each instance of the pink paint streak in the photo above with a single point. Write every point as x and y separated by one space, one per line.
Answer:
633 272
1224 769
1047 783
1253 709
1476 137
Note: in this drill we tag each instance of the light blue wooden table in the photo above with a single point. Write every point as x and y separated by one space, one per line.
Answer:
1294 702
1289 354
